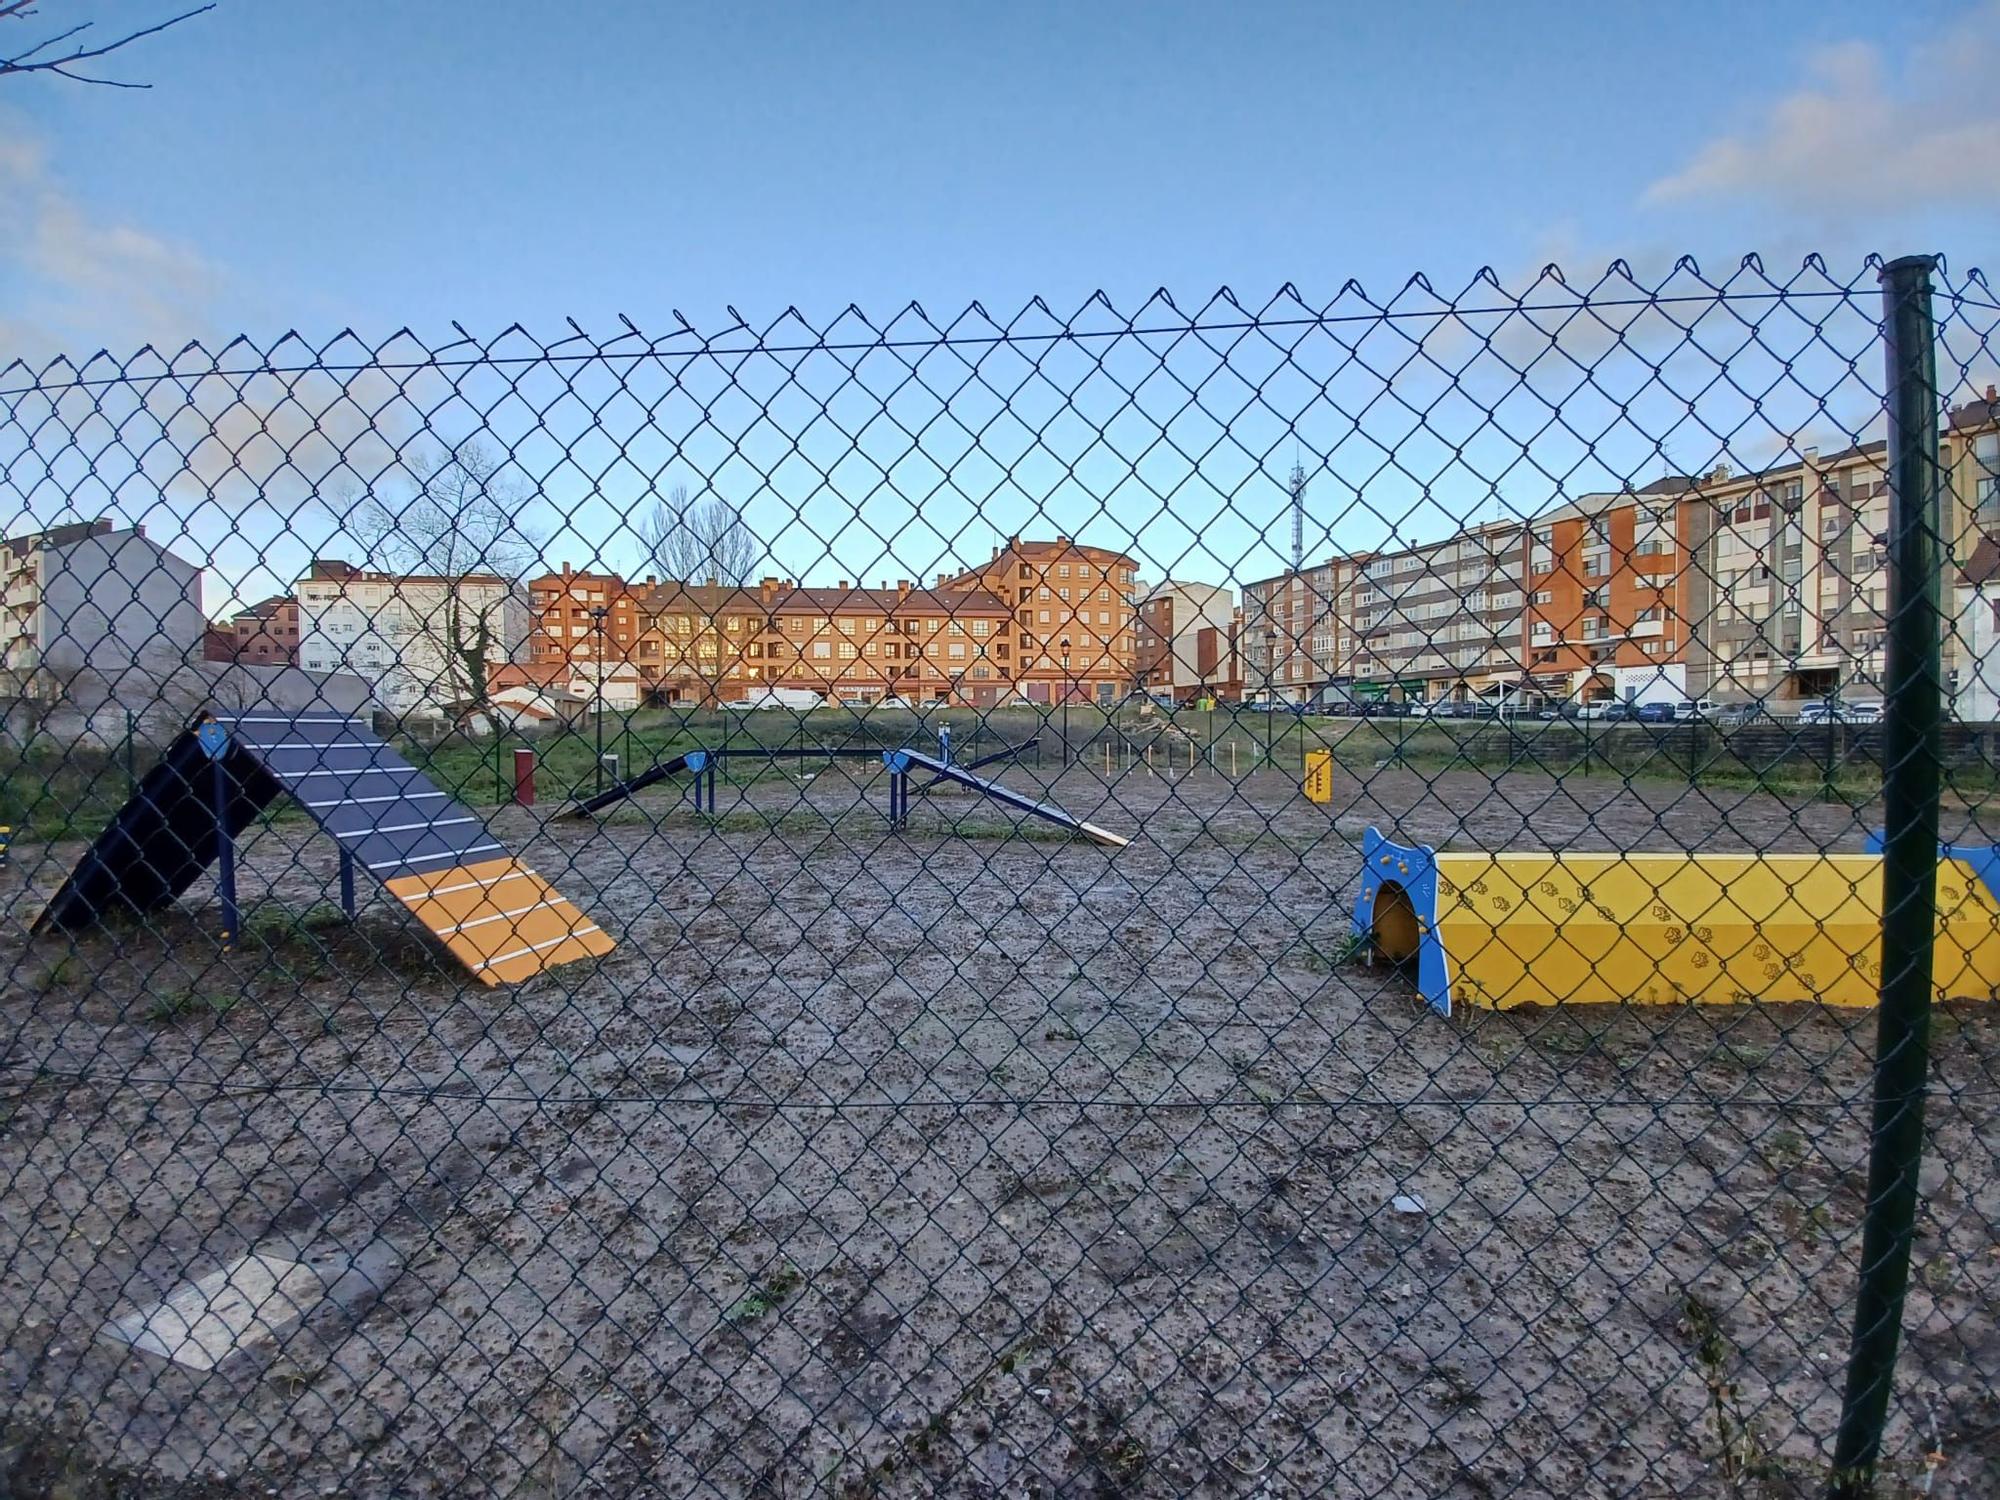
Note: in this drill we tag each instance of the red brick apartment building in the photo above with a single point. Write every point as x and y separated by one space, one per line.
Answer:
1040 621
703 644
266 633
1073 617
1610 595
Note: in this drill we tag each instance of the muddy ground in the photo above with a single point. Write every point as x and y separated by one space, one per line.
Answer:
958 1163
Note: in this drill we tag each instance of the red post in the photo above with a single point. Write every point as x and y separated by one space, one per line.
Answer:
524 778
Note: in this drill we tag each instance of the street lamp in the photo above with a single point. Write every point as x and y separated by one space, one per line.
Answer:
1065 705
598 615
1270 694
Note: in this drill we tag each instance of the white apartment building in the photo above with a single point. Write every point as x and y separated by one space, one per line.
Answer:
413 637
1790 583
92 600
1435 620
1443 620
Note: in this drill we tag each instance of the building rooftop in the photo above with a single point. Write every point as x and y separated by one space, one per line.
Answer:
333 570
60 536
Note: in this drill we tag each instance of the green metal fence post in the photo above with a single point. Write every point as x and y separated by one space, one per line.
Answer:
1911 741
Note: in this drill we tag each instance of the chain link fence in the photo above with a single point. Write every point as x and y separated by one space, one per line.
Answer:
1379 898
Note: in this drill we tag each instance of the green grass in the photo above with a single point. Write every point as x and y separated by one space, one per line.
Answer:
50 791
176 1004
767 1296
274 922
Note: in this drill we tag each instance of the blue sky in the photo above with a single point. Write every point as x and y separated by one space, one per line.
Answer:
376 166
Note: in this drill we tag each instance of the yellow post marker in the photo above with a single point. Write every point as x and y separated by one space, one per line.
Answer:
1319 775
1500 930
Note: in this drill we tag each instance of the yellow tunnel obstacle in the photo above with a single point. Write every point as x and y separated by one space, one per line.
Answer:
1499 930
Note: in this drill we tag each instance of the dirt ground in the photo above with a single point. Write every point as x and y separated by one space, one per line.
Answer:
956 1163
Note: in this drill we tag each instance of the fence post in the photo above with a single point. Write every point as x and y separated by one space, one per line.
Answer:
1912 703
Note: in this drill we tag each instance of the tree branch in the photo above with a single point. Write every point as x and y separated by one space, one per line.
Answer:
60 65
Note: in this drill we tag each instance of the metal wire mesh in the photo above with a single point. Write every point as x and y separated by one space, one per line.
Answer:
1005 1063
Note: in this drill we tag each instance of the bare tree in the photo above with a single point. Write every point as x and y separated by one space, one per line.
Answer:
461 525
41 58
696 540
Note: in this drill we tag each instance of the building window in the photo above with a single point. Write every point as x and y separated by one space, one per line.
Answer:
1986 479
822 650
847 652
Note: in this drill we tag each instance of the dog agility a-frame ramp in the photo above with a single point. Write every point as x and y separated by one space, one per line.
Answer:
495 915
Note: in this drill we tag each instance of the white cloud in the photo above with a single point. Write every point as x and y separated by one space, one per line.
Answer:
83 280
1859 135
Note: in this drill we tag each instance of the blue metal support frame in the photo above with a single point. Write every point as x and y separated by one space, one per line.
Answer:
214 740
904 761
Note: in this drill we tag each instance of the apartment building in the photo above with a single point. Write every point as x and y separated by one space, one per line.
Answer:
1172 621
581 616
1788 579
704 644
1969 451
266 633
1442 620
92 598
1290 634
693 642
1219 659
859 645
1611 606
1074 636
416 639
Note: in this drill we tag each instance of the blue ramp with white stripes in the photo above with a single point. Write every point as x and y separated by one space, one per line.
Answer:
383 810
433 853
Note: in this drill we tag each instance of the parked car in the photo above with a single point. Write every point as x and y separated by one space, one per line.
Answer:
1655 713
799 700
1606 708
1834 711
1697 708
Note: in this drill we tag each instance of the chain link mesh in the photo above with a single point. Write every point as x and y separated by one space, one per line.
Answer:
1007 1063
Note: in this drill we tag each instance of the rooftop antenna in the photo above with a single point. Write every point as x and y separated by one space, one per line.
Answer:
1298 510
